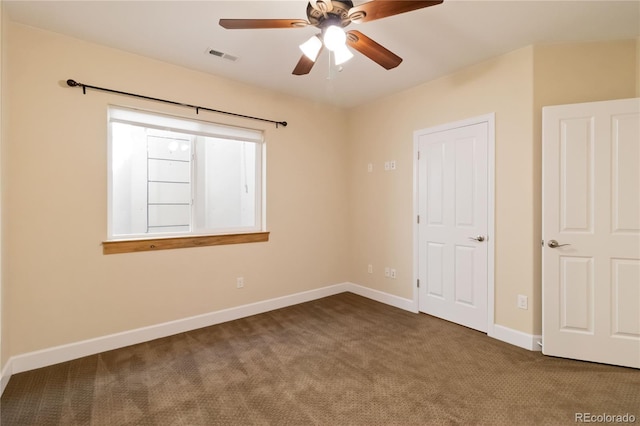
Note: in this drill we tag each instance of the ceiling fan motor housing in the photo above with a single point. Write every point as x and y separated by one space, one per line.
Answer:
336 14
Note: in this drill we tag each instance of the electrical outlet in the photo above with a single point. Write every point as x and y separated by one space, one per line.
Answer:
370 167
523 301
387 166
370 268
240 282
387 272
392 273
392 165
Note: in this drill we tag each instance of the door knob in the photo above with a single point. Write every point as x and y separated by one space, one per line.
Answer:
479 238
555 244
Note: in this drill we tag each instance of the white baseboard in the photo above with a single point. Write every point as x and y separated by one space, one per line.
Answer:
515 337
5 375
382 297
68 352
57 354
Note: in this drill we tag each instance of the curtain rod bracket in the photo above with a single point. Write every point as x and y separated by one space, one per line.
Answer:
73 83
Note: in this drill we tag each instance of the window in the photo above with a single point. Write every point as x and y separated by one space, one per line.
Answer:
172 177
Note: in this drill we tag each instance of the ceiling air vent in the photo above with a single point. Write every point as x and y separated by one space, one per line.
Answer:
222 55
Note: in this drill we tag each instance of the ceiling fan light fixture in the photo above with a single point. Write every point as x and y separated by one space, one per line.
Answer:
311 48
334 37
330 17
342 55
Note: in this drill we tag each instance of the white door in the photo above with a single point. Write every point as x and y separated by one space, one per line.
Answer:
591 232
452 191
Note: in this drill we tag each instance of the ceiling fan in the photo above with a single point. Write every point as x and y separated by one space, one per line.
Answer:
331 16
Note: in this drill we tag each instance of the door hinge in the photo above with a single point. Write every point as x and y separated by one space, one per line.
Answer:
418 218
418 283
418 155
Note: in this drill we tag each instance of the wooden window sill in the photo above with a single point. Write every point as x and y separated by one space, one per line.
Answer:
153 244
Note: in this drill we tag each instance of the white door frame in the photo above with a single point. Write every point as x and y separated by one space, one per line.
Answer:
491 142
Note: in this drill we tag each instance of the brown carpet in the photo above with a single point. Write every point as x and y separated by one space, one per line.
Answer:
342 360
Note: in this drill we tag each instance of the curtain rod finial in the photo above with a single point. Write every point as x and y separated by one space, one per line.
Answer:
72 83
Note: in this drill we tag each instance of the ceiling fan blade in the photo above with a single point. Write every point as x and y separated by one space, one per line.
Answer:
378 9
303 66
247 24
373 50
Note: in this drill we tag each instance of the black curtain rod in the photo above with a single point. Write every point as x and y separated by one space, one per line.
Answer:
73 83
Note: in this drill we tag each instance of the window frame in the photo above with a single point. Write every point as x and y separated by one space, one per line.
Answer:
195 238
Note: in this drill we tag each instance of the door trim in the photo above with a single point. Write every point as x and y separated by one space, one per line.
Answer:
491 141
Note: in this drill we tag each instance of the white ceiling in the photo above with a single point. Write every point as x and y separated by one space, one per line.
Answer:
433 42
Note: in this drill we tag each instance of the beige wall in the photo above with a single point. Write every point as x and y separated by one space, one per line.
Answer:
514 86
3 323
62 289
638 67
574 73
382 202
